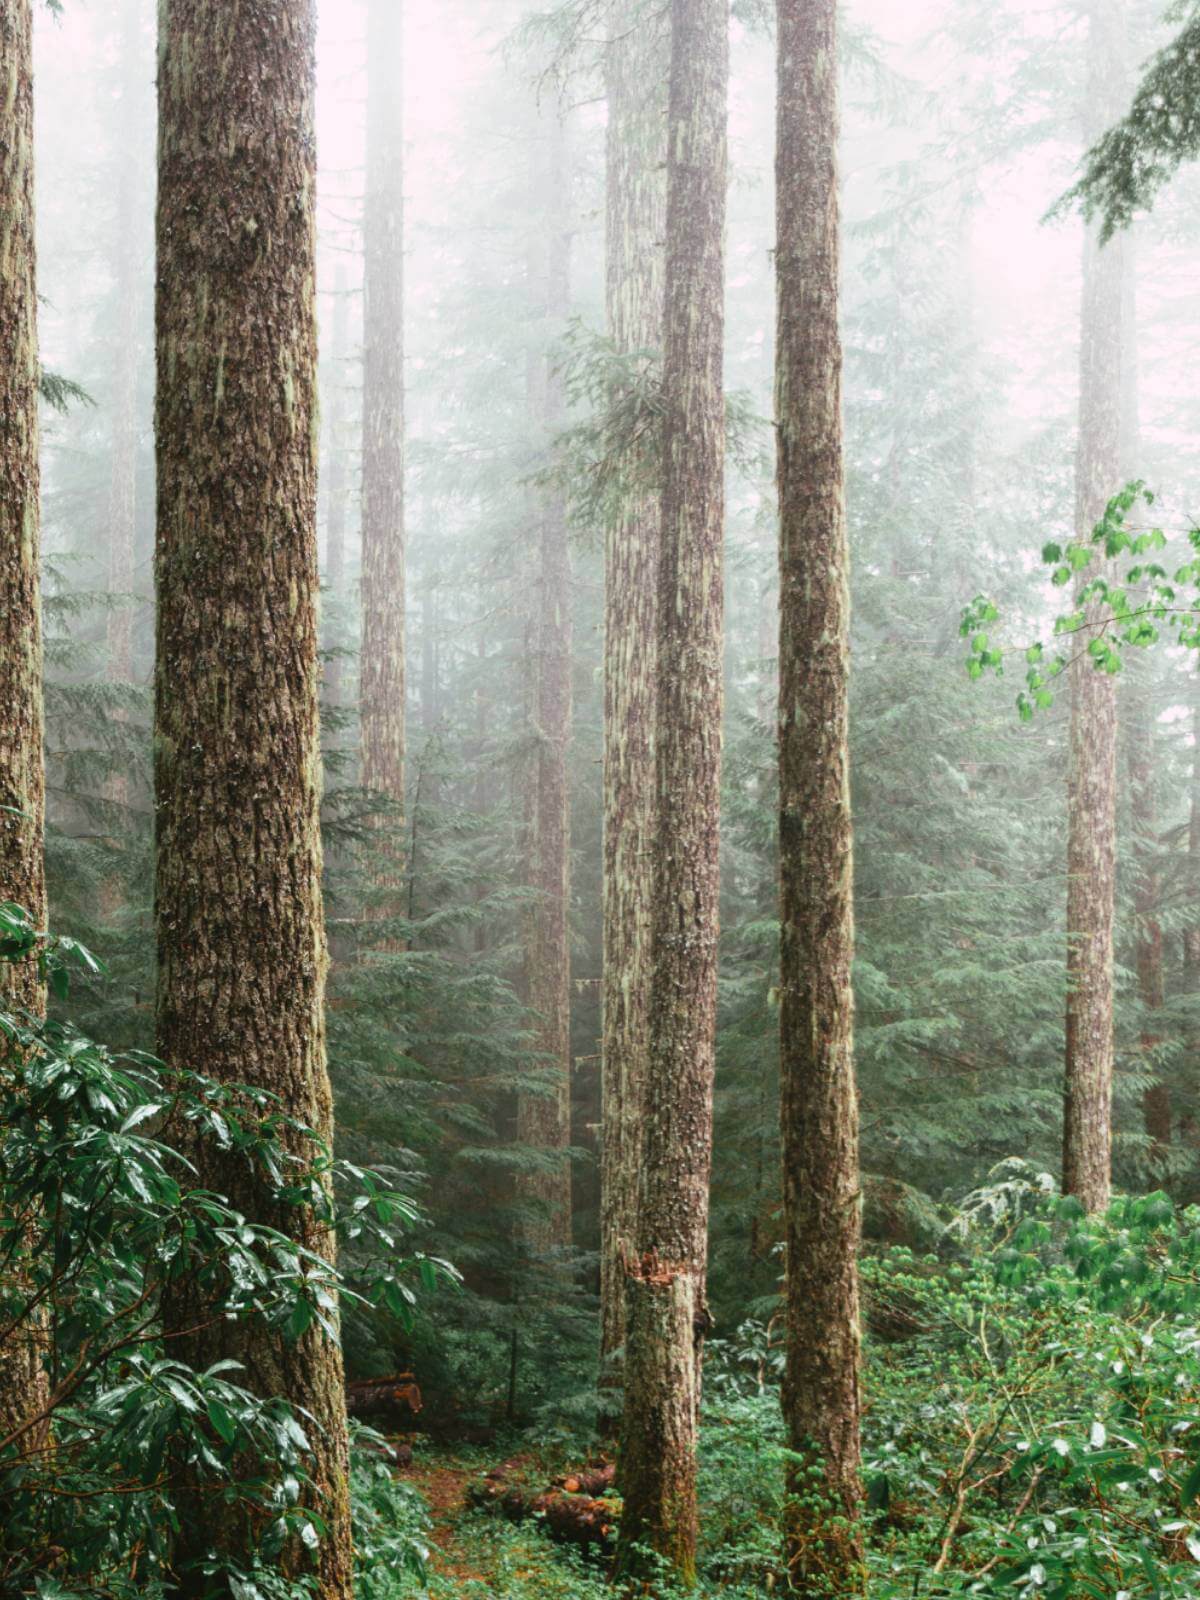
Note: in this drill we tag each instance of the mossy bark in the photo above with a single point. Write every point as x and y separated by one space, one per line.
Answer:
23 1389
382 661
544 1120
237 754
665 1307
819 1111
636 65
1091 793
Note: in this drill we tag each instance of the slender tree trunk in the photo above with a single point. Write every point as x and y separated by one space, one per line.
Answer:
128 283
22 782
544 1122
238 767
1156 1100
636 70
1191 937
819 1113
666 1310
122 494
382 662
1091 796
337 481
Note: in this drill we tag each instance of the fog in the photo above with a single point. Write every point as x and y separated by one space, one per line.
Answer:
963 124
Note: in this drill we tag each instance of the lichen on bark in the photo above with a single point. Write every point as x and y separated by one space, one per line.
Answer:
237 754
665 1306
819 1110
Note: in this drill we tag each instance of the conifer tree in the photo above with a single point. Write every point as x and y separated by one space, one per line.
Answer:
666 1307
1091 788
544 1119
22 781
128 283
819 1116
237 760
336 478
382 661
635 72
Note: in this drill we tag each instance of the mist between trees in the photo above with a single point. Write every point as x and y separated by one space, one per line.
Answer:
599 798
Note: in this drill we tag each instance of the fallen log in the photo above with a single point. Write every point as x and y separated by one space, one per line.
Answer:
366 1397
574 1515
596 1481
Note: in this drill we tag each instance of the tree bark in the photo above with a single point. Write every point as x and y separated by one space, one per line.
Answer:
238 764
666 1311
819 1109
1091 794
636 67
544 1121
22 782
382 661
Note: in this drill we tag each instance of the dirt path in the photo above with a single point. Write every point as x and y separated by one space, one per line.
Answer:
444 1488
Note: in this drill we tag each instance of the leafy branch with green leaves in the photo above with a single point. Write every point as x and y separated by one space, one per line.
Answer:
1136 608
100 1221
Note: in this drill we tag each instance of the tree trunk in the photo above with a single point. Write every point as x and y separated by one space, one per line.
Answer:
1156 1100
819 1111
382 662
238 765
636 69
544 1122
337 484
128 283
22 781
1091 794
1191 937
666 1311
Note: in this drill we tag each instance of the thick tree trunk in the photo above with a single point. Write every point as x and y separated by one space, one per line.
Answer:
238 766
665 1309
544 1122
382 661
636 70
22 782
1091 795
337 481
819 1112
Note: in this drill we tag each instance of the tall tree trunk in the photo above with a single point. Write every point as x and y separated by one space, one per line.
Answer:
1140 744
1148 937
666 1310
22 781
1191 937
129 285
819 1112
544 1122
382 662
636 67
238 766
335 502
1091 796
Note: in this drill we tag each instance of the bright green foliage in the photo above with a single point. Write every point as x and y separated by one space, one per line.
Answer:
1114 608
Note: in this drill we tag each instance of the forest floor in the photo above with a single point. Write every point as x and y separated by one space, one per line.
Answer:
477 1556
